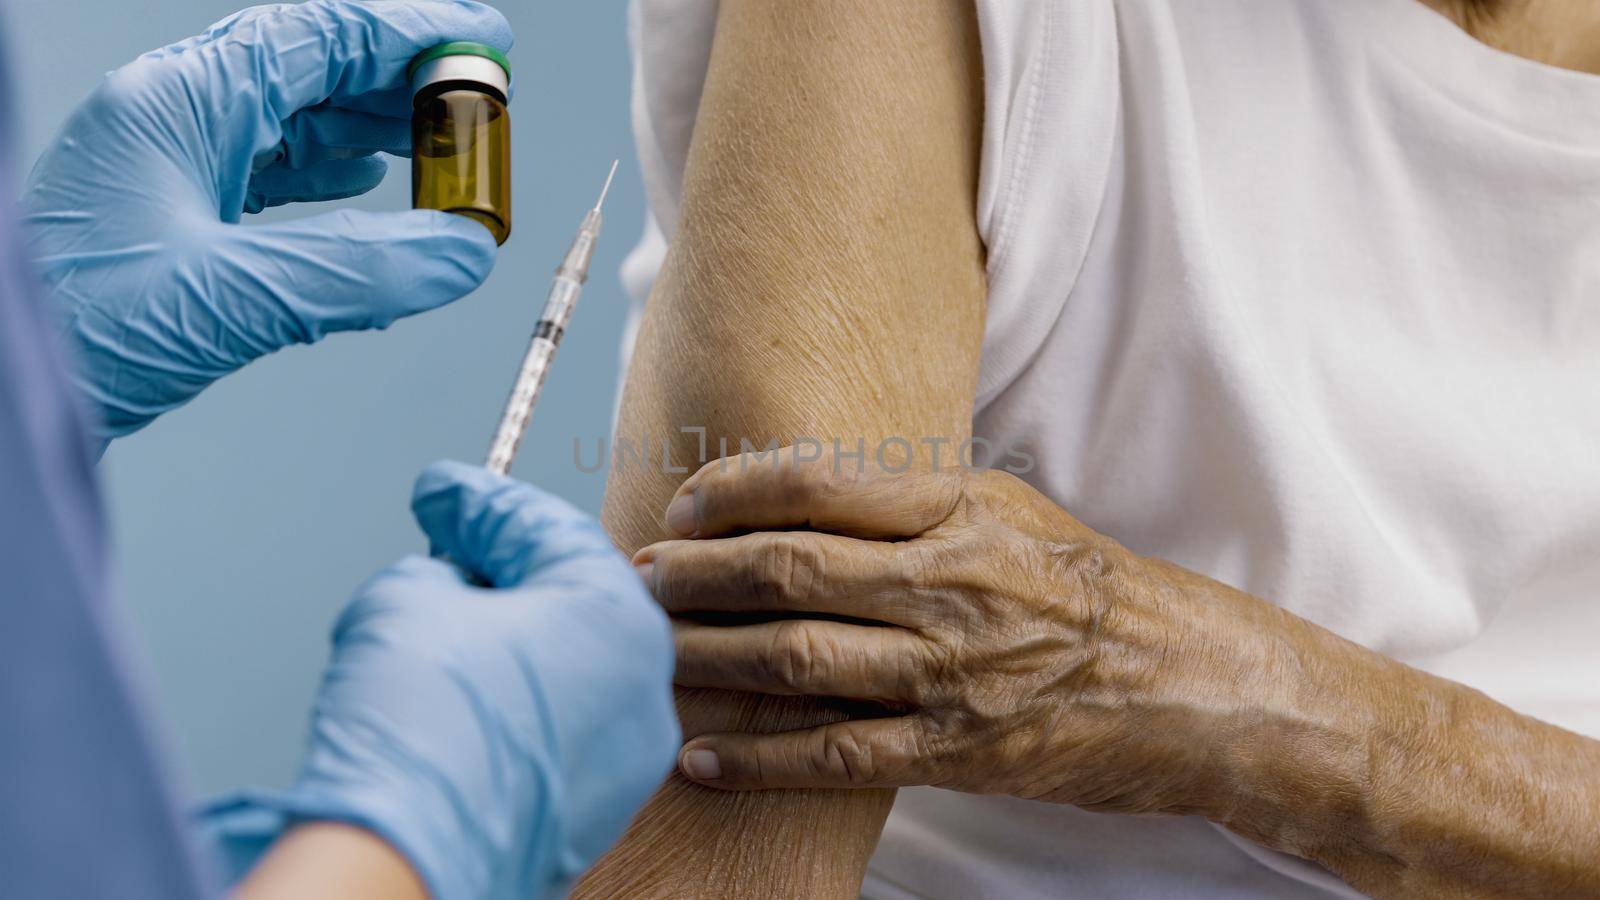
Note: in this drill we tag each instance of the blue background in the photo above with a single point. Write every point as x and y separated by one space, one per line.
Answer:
242 522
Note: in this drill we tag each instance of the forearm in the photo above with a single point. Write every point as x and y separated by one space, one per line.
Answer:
692 841
332 860
1406 784
825 282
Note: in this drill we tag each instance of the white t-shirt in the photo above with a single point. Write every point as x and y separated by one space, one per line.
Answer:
1301 294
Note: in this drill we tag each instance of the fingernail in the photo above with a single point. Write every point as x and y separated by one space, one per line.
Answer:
680 514
702 765
647 573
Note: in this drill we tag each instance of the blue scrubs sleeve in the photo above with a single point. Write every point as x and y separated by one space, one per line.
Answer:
86 810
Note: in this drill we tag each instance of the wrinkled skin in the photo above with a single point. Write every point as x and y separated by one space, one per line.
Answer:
1009 649
1033 656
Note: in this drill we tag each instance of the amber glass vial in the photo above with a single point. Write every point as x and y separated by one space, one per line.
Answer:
461 134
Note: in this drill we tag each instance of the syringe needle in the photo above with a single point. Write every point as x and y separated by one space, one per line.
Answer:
607 189
558 306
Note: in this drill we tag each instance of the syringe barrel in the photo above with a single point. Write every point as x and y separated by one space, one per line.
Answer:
558 306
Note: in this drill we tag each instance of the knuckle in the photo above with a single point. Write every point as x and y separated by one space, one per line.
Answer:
930 753
927 673
784 572
794 658
914 565
937 739
1085 565
913 678
842 752
1082 559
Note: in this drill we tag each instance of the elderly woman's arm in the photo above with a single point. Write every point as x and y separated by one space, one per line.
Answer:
1036 658
825 280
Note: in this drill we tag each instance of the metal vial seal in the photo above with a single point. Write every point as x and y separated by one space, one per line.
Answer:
461 133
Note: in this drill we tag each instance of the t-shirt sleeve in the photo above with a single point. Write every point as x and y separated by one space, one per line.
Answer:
1051 96
670 44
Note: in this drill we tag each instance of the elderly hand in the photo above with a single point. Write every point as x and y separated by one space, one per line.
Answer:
1012 650
1018 651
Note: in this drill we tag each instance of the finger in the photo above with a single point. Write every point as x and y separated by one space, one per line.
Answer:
393 588
808 487
334 49
332 179
334 132
300 280
393 102
390 103
265 67
218 27
793 571
805 657
860 753
507 532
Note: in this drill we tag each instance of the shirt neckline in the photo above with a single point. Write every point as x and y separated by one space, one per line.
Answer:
1539 98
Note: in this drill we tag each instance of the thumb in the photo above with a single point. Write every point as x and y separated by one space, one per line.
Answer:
505 531
294 282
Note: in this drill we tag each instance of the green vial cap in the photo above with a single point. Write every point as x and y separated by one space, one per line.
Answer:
460 48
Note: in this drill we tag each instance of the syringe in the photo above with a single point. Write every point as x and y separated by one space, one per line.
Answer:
564 292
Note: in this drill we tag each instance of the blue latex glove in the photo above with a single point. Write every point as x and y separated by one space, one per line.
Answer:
132 214
501 738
